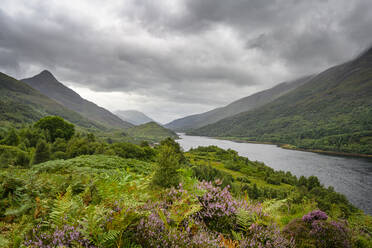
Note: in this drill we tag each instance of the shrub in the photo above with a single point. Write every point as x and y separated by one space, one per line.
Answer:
167 174
313 230
173 223
208 173
314 215
10 155
127 150
42 152
11 139
57 127
266 237
67 236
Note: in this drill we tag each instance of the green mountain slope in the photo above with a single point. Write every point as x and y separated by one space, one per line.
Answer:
151 131
47 84
133 116
333 111
244 104
19 104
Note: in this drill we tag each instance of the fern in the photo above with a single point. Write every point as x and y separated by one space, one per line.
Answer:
109 238
61 207
163 219
245 219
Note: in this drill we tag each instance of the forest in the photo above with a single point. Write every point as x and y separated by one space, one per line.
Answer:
64 187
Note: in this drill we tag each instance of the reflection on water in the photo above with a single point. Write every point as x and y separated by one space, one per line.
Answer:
349 176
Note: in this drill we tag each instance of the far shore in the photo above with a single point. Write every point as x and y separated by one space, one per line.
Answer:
292 147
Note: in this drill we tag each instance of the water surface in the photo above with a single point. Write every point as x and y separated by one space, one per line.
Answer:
348 175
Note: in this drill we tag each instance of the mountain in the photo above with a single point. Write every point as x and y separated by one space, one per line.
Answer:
47 84
133 116
151 131
244 104
332 111
21 104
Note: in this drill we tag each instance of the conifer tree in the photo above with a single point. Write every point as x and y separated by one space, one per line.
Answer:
42 152
169 159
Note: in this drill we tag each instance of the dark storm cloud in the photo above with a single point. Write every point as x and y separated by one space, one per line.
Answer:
305 35
192 53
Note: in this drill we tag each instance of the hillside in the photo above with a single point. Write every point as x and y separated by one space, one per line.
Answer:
47 84
133 116
21 104
332 111
215 199
244 104
151 131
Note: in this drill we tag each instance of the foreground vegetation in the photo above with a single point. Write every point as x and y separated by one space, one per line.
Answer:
59 188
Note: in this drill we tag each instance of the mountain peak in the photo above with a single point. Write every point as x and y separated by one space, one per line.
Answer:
133 116
366 53
46 75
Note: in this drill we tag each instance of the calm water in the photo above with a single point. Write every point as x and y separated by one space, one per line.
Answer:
349 176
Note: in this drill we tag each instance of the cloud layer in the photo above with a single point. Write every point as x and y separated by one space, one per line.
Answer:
171 58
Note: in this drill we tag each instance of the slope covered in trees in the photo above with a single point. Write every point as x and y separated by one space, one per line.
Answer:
333 111
47 84
244 104
151 131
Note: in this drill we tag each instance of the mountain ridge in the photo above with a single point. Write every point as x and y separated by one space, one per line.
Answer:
241 105
22 104
152 131
134 117
47 84
333 111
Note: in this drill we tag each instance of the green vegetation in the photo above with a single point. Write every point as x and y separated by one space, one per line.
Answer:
56 127
332 112
91 193
151 132
21 104
169 160
241 105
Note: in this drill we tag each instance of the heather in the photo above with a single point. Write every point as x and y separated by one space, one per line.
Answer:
96 194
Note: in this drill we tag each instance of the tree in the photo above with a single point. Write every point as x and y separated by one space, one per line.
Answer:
167 174
302 181
312 182
11 139
177 148
57 127
42 152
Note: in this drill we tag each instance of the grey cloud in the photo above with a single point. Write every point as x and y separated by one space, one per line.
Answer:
191 54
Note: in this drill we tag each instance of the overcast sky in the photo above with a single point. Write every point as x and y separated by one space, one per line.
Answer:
172 58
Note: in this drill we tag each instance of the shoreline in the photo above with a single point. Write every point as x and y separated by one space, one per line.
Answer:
291 147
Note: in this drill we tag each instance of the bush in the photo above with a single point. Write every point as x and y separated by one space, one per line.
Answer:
10 155
57 127
127 150
167 174
42 152
11 139
313 230
82 146
208 173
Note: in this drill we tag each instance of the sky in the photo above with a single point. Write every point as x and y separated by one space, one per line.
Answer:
172 58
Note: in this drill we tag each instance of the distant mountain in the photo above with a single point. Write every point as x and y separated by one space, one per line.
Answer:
332 111
151 131
244 104
47 84
21 104
133 116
